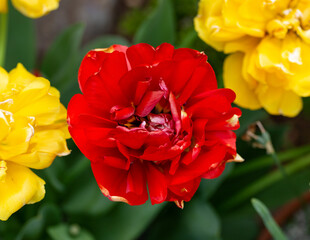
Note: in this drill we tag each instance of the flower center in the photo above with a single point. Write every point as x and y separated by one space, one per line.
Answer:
291 19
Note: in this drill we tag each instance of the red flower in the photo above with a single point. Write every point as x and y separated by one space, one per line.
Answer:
152 118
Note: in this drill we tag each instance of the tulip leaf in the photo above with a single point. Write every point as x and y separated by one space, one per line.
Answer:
65 232
265 181
268 220
196 221
48 214
124 222
86 199
60 64
159 27
21 41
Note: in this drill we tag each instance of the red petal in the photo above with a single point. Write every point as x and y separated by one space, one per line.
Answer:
136 179
226 122
140 54
156 184
128 83
164 52
176 113
121 113
120 48
90 65
132 138
200 166
183 191
187 53
148 102
198 83
213 105
113 184
214 173
141 88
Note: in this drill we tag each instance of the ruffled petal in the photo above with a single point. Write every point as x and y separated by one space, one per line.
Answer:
18 187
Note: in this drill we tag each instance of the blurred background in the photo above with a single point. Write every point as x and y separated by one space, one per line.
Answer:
74 207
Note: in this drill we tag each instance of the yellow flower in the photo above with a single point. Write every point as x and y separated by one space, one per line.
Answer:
31 8
3 6
270 45
33 132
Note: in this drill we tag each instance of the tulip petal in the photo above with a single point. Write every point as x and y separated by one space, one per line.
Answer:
113 183
20 186
245 97
156 184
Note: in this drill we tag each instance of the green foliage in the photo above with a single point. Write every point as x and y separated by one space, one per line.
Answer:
65 232
269 222
21 41
159 27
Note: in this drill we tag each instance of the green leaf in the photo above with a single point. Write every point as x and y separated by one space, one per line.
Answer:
267 161
196 221
266 181
124 222
65 232
234 225
201 221
60 64
87 200
33 229
21 42
159 27
268 220
188 39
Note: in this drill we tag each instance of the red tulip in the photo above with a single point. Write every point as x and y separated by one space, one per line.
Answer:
152 119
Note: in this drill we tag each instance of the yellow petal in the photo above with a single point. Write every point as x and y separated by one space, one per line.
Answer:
4 79
251 71
278 101
290 105
54 92
35 160
45 110
3 6
43 148
5 127
20 77
244 44
18 139
36 89
20 186
35 8
270 55
300 80
245 97
211 27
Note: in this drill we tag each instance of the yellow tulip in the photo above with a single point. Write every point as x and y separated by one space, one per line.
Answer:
3 6
270 43
31 8
33 131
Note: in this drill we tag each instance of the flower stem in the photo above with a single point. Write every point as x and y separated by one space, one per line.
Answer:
3 37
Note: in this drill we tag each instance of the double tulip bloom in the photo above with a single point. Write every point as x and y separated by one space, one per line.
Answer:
152 120
31 8
269 42
33 132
